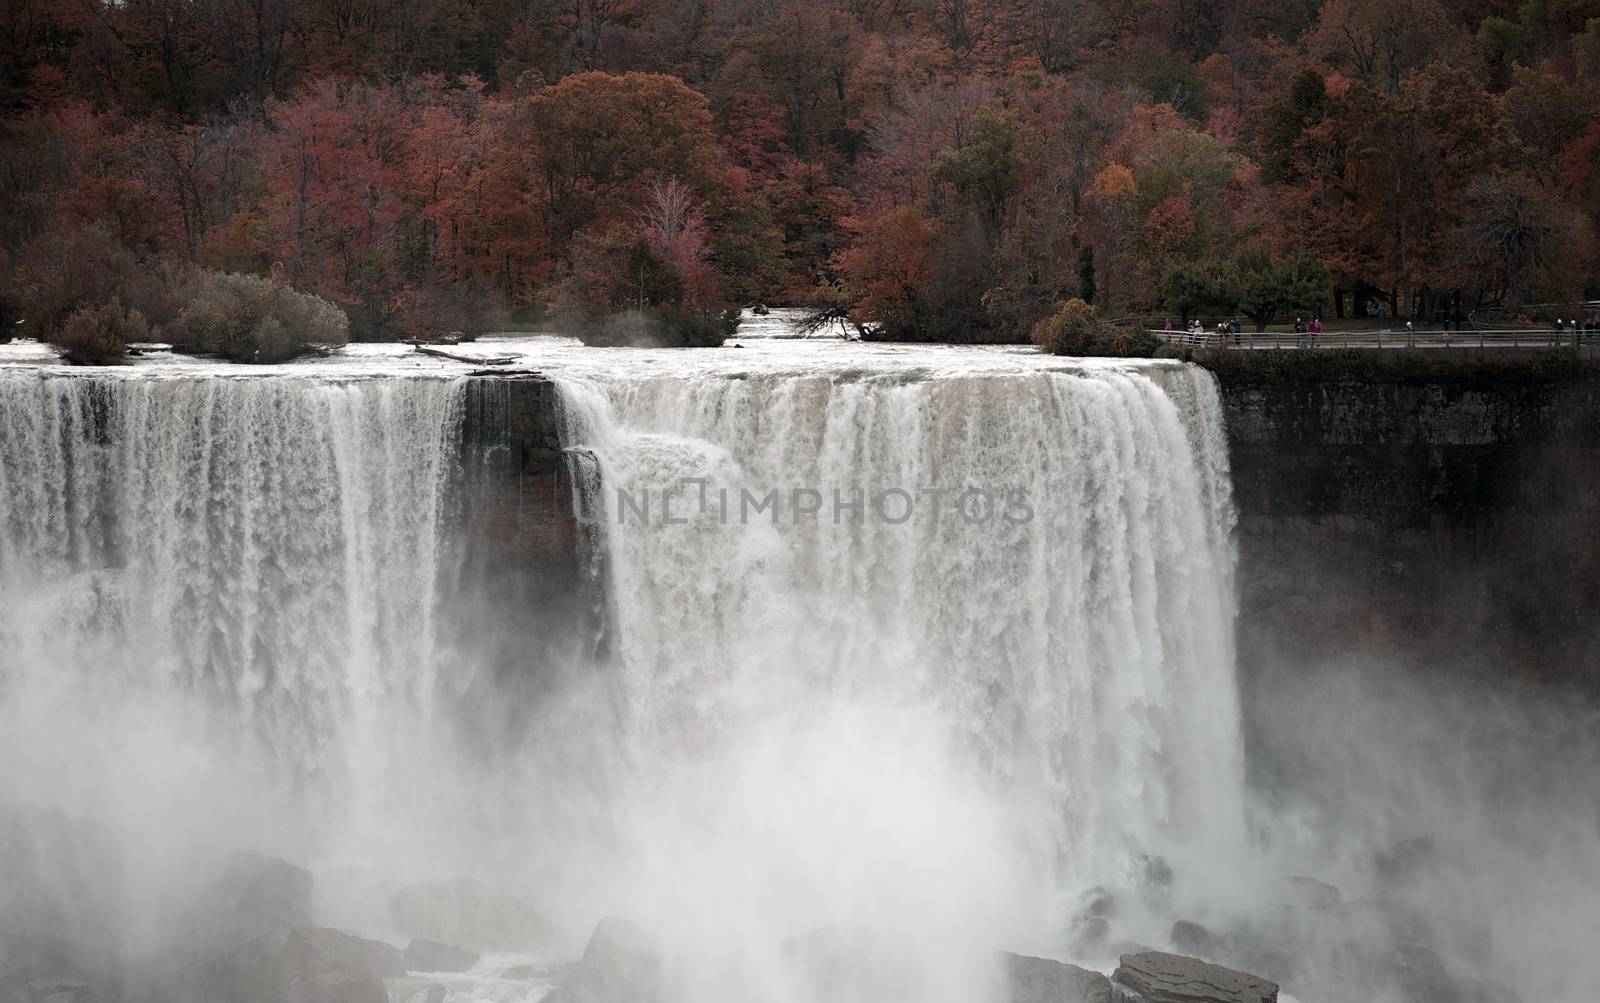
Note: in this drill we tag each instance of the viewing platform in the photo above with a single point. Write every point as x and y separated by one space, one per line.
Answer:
1484 338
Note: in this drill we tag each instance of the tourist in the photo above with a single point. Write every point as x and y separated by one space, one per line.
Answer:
1169 325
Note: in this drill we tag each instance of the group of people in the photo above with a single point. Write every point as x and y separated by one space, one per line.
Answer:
1222 330
1584 332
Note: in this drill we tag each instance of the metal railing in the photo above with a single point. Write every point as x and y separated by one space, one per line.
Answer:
1477 338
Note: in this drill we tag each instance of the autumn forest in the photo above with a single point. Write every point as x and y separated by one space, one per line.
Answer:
244 176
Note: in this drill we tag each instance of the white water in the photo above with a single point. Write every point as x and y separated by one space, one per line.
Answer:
218 603
221 624
937 725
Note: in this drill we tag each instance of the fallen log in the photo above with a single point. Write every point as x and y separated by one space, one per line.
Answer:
471 360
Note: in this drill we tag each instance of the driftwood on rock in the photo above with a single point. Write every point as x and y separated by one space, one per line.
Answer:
493 360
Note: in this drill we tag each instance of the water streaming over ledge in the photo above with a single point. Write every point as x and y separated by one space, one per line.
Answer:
270 546
229 604
1069 620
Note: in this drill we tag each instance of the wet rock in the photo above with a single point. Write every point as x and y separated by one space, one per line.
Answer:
307 965
1089 935
1258 952
424 955
1158 977
1153 877
1040 980
255 896
468 912
415 991
620 965
35 969
1421 973
318 965
1408 859
1306 893
1192 938
1091 921
1097 904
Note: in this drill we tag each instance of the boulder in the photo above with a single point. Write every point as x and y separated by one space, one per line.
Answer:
1091 921
1040 980
469 912
1421 973
1408 859
255 896
35 969
1153 878
424 955
1159 977
416 991
620 965
323 948
306 965
1192 938
1306 893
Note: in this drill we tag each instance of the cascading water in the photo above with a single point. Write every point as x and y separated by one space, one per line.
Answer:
217 592
923 642
922 648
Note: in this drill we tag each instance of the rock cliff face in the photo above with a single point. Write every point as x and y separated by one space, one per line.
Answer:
530 602
1450 522
1419 581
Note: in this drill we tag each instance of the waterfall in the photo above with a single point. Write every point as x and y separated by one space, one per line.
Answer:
251 562
1044 676
925 642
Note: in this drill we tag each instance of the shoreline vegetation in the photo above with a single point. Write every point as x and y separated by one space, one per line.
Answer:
229 177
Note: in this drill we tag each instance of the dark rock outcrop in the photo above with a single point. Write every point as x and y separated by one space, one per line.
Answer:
620 965
307 965
329 966
255 896
415 991
1040 980
1193 938
529 609
424 955
1306 893
1158 977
